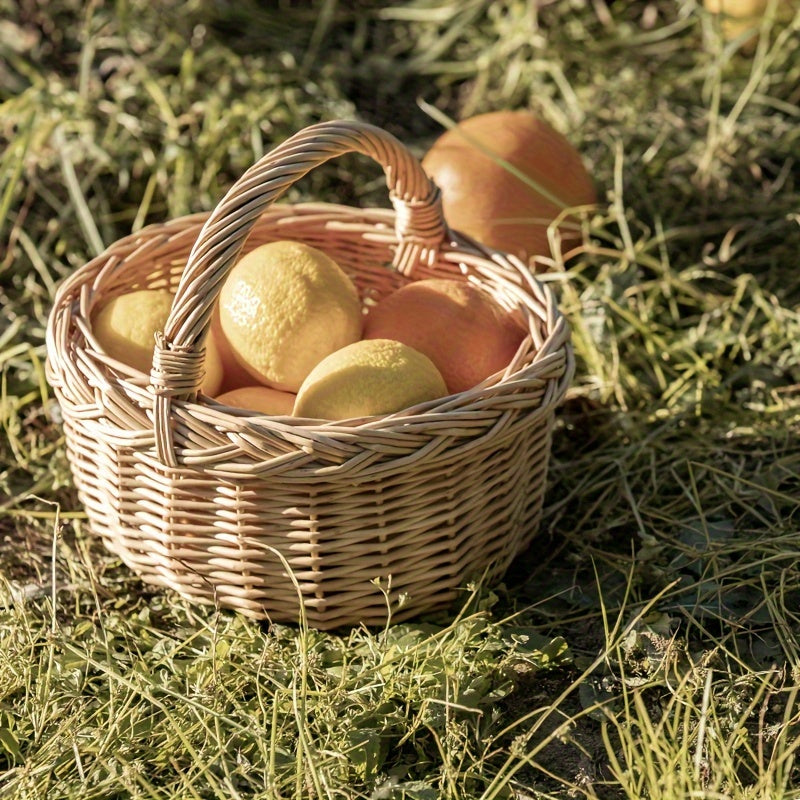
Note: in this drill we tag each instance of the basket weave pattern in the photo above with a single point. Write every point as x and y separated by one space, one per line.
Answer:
272 515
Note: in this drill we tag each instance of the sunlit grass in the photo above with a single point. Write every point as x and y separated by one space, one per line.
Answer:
649 644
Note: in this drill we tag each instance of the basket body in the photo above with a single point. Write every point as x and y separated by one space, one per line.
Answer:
347 523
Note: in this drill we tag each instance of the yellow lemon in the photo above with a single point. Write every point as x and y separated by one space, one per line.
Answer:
126 326
283 308
739 17
262 399
371 376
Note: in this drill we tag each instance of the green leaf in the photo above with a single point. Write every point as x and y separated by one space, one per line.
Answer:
367 751
406 790
10 746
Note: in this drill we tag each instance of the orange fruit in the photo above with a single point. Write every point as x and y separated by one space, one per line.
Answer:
368 377
262 399
461 328
485 200
234 375
283 308
212 380
126 326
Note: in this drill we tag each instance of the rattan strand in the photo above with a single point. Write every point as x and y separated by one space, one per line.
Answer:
276 516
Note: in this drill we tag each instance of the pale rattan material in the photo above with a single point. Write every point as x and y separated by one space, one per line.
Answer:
274 515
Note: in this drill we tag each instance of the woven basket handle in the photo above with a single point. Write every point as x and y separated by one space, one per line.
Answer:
419 225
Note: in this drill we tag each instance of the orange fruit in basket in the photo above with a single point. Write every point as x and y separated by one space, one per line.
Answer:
461 328
234 376
368 377
283 308
484 199
212 380
262 399
126 325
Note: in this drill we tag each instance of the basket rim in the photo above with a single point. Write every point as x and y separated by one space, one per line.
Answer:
458 248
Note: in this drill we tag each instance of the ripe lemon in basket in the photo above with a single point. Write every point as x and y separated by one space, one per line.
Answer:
461 328
371 376
283 308
262 399
126 326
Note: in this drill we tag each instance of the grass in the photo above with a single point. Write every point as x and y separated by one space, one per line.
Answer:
649 645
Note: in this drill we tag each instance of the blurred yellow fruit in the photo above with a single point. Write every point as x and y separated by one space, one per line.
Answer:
262 399
283 308
737 8
737 17
371 376
126 326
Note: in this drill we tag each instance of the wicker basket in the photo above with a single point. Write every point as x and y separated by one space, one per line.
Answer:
348 522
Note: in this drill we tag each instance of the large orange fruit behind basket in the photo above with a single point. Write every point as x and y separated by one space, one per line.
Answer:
347 522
